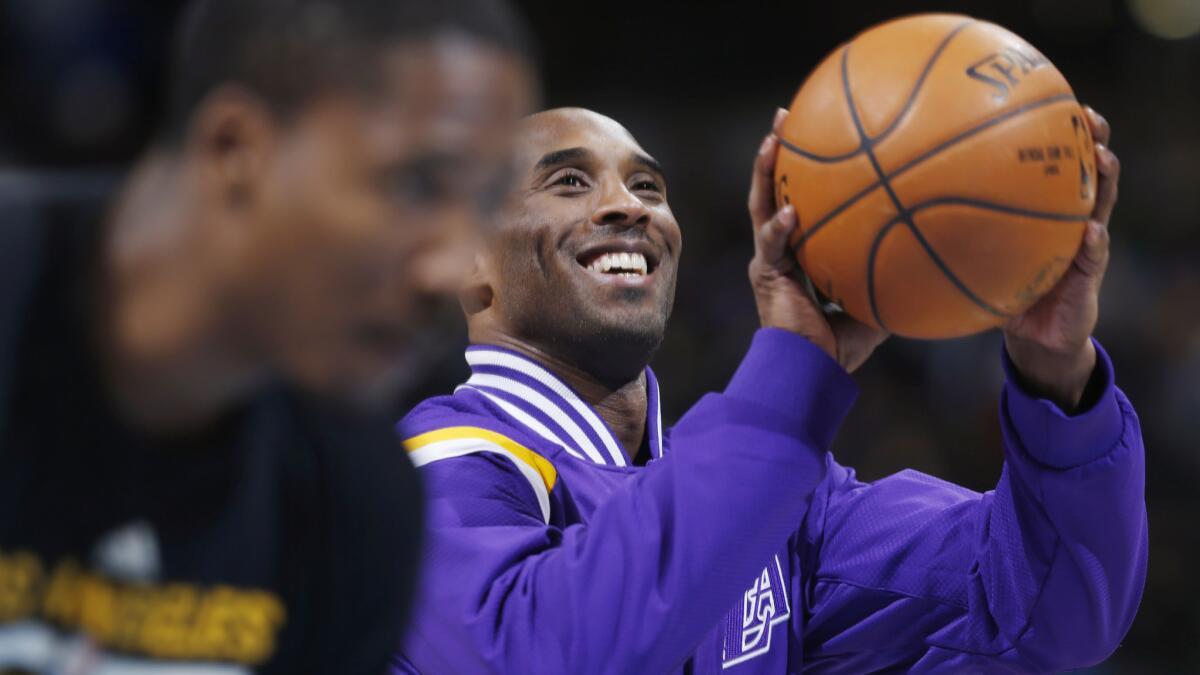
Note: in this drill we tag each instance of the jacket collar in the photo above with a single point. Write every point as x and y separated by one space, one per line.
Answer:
541 402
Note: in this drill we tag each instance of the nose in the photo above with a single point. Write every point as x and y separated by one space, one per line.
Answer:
621 208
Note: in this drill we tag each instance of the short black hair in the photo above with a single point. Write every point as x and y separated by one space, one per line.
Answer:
289 51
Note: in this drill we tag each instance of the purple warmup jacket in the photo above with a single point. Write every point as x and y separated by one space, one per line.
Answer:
743 547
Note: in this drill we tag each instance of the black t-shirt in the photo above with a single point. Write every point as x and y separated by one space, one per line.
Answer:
282 540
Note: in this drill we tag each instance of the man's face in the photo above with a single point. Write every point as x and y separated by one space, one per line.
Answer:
369 213
584 257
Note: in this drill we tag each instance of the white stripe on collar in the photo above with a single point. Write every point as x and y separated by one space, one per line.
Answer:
656 449
551 408
557 405
524 418
529 368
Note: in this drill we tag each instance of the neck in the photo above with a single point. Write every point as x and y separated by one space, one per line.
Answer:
169 358
622 405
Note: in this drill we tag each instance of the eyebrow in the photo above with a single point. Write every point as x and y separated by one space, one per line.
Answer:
650 163
557 157
561 156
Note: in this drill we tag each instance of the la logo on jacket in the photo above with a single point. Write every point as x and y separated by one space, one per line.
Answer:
749 625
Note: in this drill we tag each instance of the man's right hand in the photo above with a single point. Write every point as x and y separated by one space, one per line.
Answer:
779 289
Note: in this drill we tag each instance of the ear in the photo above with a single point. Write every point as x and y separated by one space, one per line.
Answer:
229 142
477 292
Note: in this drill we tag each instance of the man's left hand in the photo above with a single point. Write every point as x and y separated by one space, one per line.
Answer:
1050 343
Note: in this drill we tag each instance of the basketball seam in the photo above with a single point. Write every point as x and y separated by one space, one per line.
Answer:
875 244
904 214
960 201
823 159
993 206
982 126
920 159
869 149
912 96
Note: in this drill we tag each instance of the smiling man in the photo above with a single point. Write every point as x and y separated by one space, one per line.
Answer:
570 534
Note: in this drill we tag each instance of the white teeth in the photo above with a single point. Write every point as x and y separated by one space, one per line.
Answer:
625 264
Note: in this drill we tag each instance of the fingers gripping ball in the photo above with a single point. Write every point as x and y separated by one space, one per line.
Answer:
942 173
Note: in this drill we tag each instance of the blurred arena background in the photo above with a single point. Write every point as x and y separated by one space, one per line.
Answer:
697 84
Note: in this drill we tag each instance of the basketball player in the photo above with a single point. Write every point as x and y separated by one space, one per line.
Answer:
569 533
195 458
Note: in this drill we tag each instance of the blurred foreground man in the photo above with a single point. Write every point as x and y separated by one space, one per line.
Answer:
569 534
196 472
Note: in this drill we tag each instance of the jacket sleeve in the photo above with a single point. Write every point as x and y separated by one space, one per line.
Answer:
1042 574
638 586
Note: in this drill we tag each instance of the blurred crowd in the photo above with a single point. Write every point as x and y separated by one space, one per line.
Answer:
697 84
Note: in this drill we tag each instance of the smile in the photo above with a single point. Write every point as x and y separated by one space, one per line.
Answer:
622 264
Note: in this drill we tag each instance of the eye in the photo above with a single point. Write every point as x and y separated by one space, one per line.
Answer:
646 185
571 180
420 182
418 187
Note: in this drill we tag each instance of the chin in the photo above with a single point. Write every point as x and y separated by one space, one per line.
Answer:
617 346
634 330
380 377
349 375
365 392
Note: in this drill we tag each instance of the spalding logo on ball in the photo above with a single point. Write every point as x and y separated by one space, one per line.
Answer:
942 174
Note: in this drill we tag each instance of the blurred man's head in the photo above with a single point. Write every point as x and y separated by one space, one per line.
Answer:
582 261
339 155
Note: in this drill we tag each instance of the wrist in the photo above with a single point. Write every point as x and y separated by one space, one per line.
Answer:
807 322
820 336
787 373
1060 376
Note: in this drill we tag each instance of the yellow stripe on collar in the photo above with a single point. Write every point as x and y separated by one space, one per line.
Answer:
538 463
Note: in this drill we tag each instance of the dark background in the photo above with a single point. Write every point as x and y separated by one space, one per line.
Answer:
697 84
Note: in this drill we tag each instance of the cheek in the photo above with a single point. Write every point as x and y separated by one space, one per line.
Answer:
517 274
334 228
331 209
672 235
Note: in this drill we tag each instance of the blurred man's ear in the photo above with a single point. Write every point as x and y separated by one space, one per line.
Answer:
228 143
476 293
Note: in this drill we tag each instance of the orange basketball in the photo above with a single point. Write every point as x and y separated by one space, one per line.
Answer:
942 173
